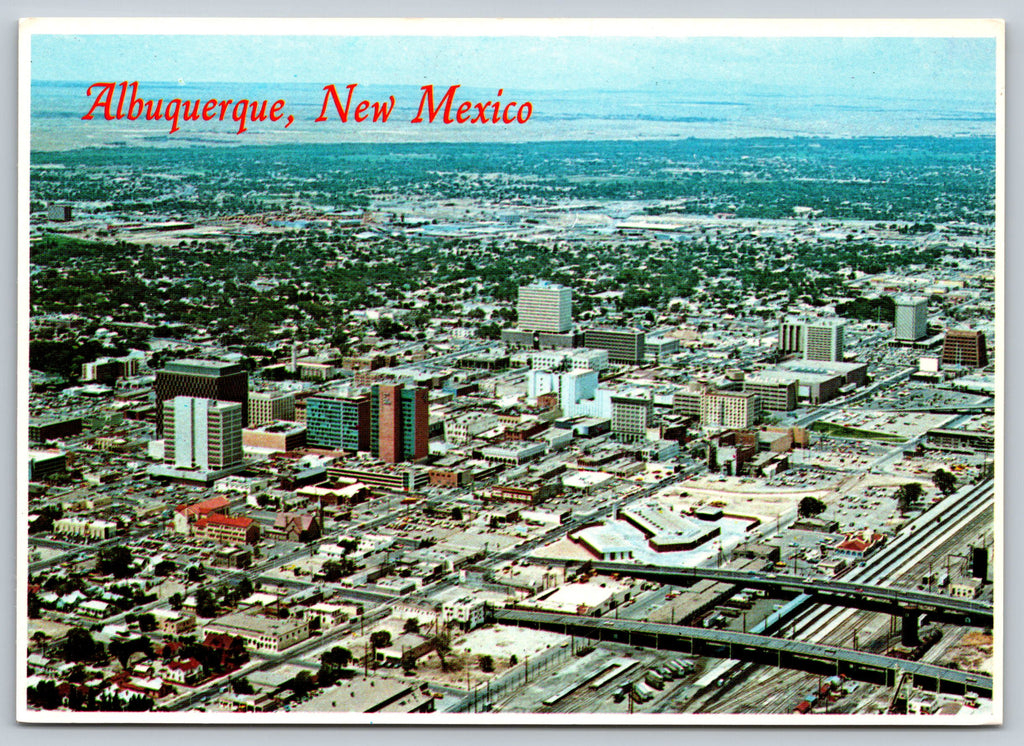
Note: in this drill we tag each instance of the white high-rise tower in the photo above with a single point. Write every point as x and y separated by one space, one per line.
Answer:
545 307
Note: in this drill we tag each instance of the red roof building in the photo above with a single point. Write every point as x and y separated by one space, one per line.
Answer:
227 529
186 515
859 544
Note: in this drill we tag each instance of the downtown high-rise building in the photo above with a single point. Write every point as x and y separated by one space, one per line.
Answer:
205 379
813 339
545 307
339 421
399 422
202 434
911 320
622 344
270 406
964 347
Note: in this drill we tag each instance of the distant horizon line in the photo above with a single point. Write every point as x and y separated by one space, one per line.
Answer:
191 143
758 91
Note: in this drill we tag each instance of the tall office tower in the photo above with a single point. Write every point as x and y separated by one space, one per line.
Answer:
205 379
339 421
202 434
545 307
399 423
911 318
964 347
791 337
269 406
630 417
623 345
814 339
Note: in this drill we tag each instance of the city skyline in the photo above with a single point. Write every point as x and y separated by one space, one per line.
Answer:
667 401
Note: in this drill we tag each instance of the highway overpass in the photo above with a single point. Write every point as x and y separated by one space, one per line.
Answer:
898 601
771 651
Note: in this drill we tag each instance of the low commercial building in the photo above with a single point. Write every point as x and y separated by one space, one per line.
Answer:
466 612
603 543
330 615
295 527
462 428
514 452
374 694
227 529
261 633
276 436
667 531
94 530
576 359
820 381
965 588
777 391
968 441
174 622
394 477
42 464
41 429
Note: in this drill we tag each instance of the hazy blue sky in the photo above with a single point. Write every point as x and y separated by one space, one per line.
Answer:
960 69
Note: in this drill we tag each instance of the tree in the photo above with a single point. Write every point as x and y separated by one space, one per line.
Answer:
206 604
442 643
241 685
944 481
79 646
456 514
336 656
301 684
408 664
123 650
811 506
45 694
245 588
115 561
380 639
412 624
166 567
486 663
334 570
147 622
513 660
907 495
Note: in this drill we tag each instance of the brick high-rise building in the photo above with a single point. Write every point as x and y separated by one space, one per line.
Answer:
399 423
205 379
964 347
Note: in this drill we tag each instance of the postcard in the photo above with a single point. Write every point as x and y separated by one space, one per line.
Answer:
478 371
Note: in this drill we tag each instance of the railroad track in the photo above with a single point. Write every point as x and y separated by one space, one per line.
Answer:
926 534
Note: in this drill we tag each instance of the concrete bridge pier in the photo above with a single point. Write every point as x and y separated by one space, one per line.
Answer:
908 632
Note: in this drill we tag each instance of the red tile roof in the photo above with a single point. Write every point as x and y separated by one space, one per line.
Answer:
204 507
225 520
